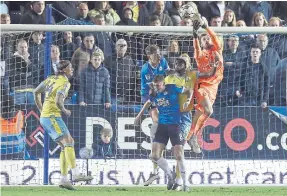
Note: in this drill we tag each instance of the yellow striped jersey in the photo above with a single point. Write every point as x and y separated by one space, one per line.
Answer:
187 81
54 85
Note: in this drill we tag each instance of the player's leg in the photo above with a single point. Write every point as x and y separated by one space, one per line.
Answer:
153 112
69 151
178 141
160 141
47 124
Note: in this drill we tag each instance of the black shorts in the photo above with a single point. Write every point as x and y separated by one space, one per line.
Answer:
165 132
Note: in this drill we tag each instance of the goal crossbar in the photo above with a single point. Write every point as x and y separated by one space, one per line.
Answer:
138 29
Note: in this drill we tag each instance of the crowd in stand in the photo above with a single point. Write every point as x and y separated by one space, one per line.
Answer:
107 65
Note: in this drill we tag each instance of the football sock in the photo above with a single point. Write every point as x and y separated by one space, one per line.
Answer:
71 159
178 176
162 163
63 164
181 168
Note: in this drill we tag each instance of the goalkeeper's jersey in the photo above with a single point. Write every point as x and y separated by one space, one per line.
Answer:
187 81
54 85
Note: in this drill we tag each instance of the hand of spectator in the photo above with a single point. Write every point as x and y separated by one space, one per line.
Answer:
108 105
263 105
67 112
228 63
238 94
83 104
137 120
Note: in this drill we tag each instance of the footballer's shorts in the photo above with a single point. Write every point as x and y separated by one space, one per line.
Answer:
165 132
185 123
144 99
55 127
203 91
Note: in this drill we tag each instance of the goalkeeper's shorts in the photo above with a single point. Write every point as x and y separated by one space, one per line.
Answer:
185 123
55 127
205 92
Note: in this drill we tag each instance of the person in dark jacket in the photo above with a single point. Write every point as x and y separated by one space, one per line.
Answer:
83 11
95 83
36 15
280 84
67 46
20 73
164 18
105 147
36 51
255 81
127 17
103 39
122 70
140 12
174 12
68 8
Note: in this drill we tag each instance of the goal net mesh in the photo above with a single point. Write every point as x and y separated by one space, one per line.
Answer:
241 142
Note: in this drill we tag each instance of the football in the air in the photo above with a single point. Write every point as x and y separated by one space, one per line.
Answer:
188 10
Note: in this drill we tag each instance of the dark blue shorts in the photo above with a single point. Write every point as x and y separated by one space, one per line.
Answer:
165 132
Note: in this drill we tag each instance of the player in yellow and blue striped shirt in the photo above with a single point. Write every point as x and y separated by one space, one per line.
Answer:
56 88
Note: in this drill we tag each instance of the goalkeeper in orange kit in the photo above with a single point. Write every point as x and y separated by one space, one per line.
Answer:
206 88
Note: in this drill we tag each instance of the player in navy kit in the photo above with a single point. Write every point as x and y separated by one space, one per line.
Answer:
156 65
166 99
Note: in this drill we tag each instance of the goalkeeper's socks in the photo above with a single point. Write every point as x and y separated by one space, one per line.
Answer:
63 164
70 156
162 163
200 123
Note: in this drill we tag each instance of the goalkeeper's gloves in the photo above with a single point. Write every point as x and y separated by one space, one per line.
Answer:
196 25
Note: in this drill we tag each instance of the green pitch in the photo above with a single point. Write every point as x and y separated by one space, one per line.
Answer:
142 191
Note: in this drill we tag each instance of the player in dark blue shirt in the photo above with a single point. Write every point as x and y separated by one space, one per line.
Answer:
166 99
156 65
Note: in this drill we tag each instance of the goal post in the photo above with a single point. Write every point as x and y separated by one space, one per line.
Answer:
241 144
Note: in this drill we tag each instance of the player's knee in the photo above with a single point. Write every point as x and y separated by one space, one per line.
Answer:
155 156
208 111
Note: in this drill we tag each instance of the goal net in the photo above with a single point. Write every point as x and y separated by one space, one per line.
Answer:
241 142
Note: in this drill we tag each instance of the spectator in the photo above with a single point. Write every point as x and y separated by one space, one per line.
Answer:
164 18
5 19
20 75
36 15
151 5
127 17
240 23
36 51
186 21
255 90
122 70
279 42
280 84
103 40
95 83
103 8
174 13
67 47
259 20
252 7
269 57
55 57
68 8
104 147
216 8
280 7
234 56
236 7
155 20
140 12
83 11
229 19
173 53
81 56
216 21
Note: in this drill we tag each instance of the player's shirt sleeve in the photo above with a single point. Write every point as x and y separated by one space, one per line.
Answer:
64 89
144 81
214 39
164 64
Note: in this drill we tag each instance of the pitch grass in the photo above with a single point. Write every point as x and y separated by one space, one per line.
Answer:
142 191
